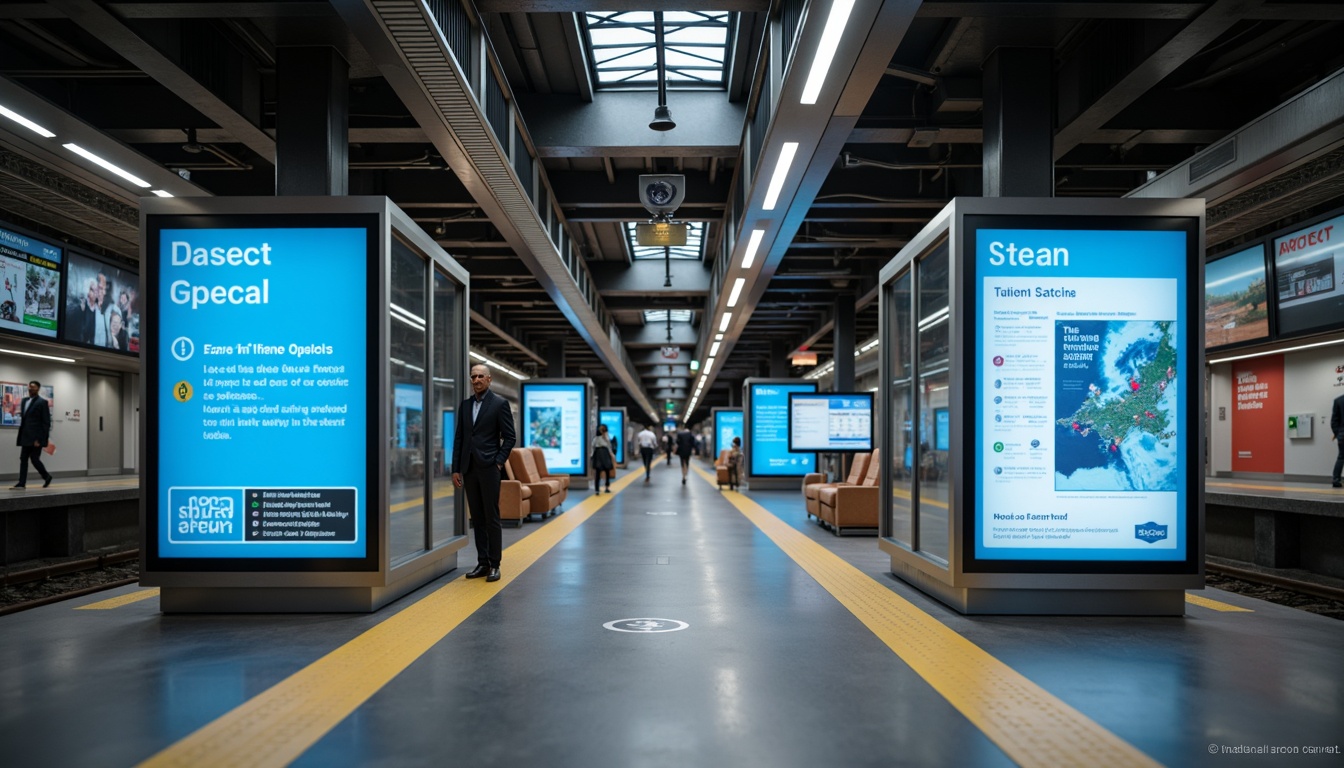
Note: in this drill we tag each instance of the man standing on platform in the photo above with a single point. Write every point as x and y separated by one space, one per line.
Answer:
1337 429
647 442
481 447
34 429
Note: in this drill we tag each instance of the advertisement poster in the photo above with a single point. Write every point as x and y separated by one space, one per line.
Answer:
727 425
31 273
101 307
1309 270
1080 362
1236 301
449 425
553 421
830 422
768 452
13 394
1257 415
615 421
263 393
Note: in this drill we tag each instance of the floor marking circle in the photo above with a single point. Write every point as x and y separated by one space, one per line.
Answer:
645 626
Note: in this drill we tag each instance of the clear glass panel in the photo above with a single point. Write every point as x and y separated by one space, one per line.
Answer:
932 393
900 411
695 238
406 452
622 47
447 392
660 315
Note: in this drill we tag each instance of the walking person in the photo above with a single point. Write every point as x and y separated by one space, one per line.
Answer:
669 445
34 429
647 443
603 459
1336 429
685 449
481 447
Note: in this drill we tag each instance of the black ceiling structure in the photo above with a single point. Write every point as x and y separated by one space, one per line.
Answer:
514 132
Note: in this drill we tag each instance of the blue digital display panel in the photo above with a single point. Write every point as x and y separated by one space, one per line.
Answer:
769 439
409 400
554 419
261 393
615 421
727 425
1082 382
942 438
831 422
449 424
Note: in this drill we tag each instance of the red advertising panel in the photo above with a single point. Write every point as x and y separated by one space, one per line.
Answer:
1257 415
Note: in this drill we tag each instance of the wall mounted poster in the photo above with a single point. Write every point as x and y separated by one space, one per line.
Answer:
13 394
30 283
1258 414
102 307
553 420
1236 300
1309 272
1081 363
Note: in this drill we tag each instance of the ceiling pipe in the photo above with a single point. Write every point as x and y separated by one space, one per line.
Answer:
662 116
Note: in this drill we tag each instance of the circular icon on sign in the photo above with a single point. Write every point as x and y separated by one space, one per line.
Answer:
1035 443
998 399
182 391
998 417
646 626
998 359
998 470
998 447
183 348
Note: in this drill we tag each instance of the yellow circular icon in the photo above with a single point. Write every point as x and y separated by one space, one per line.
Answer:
182 391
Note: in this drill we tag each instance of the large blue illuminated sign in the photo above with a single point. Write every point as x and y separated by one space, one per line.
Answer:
449 424
727 425
768 449
1081 375
262 390
554 419
615 421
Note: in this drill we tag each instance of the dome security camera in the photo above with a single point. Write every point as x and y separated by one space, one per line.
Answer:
662 193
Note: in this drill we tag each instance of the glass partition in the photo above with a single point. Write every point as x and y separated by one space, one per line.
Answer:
932 388
446 393
406 453
902 458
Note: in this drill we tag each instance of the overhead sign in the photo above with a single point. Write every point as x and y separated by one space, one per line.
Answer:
30 271
1309 272
659 234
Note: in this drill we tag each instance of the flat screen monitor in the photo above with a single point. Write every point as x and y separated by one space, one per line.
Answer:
102 305
449 425
266 353
830 422
1309 277
1236 299
767 447
942 437
30 269
615 421
727 425
409 401
1082 393
555 419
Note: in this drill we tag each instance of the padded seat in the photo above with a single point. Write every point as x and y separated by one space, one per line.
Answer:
515 500
539 458
813 483
721 468
852 506
546 494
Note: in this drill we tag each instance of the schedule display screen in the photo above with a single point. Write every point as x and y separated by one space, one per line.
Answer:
727 425
615 421
768 447
1081 383
260 381
554 420
31 273
831 421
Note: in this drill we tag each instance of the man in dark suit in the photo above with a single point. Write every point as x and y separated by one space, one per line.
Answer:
1337 429
481 446
34 429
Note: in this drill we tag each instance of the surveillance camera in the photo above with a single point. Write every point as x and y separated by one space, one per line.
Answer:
662 193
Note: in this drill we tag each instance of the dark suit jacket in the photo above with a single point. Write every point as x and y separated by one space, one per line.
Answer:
685 443
490 439
1337 417
34 422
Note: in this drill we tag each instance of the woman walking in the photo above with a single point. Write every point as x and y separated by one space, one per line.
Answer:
602 459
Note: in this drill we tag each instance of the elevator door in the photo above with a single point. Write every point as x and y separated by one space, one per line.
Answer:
104 424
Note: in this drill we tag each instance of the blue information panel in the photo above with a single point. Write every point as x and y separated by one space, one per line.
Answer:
942 438
553 419
261 393
449 424
727 425
831 422
30 271
615 421
1082 370
769 450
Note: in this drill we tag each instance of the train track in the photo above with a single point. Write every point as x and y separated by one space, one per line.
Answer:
25 588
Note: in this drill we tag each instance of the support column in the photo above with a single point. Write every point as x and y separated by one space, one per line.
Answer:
312 112
842 339
555 357
604 394
1019 97
779 359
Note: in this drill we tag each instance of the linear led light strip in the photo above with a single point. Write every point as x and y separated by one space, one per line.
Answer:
1274 351
34 354
26 123
497 364
830 42
78 150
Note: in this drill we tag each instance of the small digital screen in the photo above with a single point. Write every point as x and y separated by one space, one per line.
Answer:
554 420
942 439
449 425
727 425
102 306
615 421
409 400
831 421
1309 277
1236 300
768 443
31 271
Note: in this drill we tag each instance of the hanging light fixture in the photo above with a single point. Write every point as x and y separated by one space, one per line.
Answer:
662 116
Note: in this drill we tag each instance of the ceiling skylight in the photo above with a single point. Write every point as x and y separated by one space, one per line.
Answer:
660 315
621 47
695 239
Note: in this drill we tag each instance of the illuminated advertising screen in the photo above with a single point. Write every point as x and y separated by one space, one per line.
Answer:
1309 277
102 305
31 271
727 425
768 451
942 433
261 387
615 421
831 422
1236 301
1081 390
553 420
449 424
409 401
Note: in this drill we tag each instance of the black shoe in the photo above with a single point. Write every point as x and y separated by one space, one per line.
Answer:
479 571
47 482
1335 484
608 489
683 481
494 575
18 486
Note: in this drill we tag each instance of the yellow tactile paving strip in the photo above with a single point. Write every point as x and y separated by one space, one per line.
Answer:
1205 602
277 726
117 602
1033 727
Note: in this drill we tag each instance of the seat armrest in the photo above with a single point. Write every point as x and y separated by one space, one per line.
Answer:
813 477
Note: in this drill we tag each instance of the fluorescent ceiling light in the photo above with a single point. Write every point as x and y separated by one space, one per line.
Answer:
934 319
753 244
497 364
737 291
718 337
161 193
870 345
723 324
34 354
830 41
785 160
96 160
26 123
1274 351
714 349
708 364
